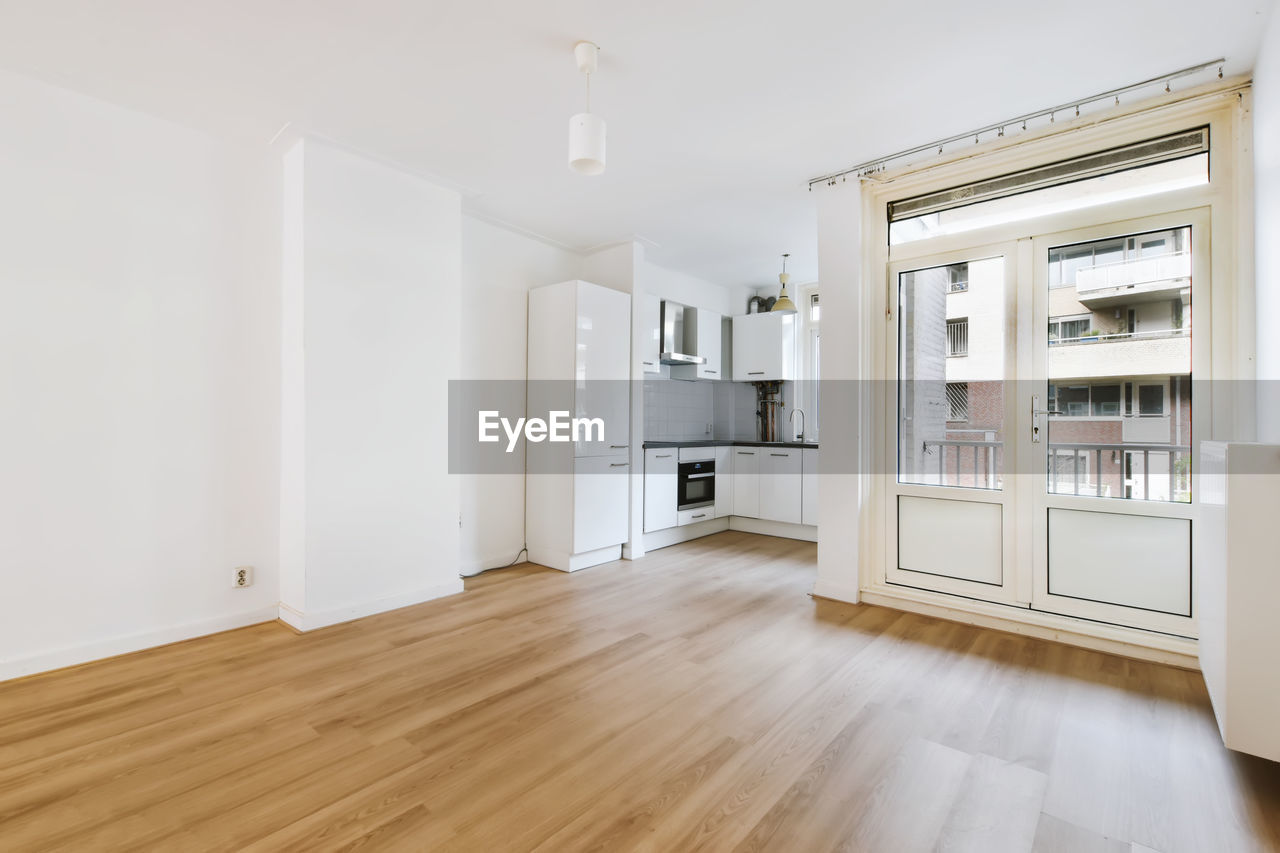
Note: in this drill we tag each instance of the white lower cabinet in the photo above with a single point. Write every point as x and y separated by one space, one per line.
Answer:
693 516
779 484
809 486
601 490
724 482
660 467
746 482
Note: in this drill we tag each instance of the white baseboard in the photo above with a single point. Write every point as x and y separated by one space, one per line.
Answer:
99 649
783 529
476 565
836 592
314 619
1127 642
675 535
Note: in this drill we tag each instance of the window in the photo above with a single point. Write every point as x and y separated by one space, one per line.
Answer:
957 401
1106 400
1073 400
815 310
957 337
959 275
1132 171
1150 399
1069 328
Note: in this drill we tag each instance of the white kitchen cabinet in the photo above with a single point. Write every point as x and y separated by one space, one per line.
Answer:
660 467
746 481
724 482
651 329
600 492
809 486
764 347
601 369
780 488
579 361
693 516
702 337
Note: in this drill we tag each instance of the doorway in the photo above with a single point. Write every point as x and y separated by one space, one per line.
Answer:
1041 420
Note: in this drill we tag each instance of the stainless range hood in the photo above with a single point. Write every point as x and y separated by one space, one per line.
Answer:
674 348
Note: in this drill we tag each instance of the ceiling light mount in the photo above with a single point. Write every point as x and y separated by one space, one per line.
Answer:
586 129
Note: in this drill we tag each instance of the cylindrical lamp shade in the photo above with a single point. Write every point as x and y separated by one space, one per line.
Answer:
586 144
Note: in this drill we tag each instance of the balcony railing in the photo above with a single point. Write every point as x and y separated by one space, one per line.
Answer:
1120 336
1133 273
977 464
973 464
957 337
1077 482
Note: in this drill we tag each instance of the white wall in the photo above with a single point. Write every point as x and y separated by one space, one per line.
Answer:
138 370
499 267
1266 170
839 486
374 266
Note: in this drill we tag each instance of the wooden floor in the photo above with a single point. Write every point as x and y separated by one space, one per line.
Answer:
694 700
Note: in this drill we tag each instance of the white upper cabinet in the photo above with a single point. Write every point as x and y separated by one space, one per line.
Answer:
764 347
651 330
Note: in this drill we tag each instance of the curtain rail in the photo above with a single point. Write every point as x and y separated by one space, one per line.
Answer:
879 162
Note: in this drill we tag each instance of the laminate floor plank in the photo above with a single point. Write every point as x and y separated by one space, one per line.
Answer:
697 699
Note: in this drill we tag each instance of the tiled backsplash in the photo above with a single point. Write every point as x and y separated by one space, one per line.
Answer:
676 410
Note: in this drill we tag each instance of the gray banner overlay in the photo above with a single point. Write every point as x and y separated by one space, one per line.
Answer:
945 434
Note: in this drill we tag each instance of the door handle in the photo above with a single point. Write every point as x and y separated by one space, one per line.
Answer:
1036 412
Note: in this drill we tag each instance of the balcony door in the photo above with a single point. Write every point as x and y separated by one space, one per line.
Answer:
951 508
1111 414
1041 421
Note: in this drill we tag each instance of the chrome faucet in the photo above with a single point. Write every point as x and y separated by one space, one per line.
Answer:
792 419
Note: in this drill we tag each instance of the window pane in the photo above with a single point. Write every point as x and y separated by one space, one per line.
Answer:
1151 400
951 369
1106 400
1119 361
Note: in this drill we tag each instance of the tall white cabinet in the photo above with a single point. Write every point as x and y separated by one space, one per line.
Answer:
577 492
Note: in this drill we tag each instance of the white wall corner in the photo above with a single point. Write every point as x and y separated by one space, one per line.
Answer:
314 619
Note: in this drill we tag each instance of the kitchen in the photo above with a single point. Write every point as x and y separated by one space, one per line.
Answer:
724 405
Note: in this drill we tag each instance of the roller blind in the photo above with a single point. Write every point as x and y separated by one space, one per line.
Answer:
1173 147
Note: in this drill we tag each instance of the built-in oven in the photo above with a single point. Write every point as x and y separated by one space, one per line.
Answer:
696 484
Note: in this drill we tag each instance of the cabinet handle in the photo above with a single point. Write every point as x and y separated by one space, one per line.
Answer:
617 447
710 371
662 456
755 373
617 464
699 515
746 453
785 455
650 363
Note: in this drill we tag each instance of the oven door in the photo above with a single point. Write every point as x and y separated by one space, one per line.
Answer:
697 484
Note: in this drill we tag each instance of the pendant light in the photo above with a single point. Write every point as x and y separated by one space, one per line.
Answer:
784 305
586 130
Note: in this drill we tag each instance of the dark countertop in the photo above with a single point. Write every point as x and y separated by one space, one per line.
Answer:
730 443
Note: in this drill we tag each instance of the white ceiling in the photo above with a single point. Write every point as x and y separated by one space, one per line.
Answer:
718 110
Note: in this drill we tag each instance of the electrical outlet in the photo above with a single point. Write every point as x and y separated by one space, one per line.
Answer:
243 576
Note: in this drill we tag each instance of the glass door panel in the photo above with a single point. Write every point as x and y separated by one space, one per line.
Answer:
950 523
1115 344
